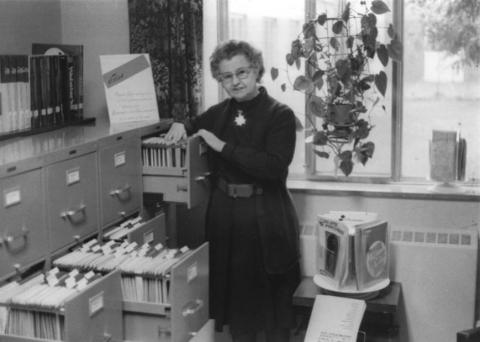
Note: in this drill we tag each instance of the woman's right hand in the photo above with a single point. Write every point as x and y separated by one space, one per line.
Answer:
175 133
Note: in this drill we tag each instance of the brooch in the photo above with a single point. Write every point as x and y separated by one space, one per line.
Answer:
240 119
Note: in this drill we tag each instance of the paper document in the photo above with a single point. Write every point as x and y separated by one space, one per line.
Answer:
335 319
129 88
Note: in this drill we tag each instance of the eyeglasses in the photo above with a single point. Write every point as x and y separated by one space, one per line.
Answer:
241 74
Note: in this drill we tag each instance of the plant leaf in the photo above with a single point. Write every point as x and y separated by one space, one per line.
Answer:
322 154
346 166
350 40
318 75
320 138
317 106
346 12
395 50
322 18
274 73
382 54
297 63
309 30
379 7
391 31
381 82
290 59
334 43
345 155
303 83
337 27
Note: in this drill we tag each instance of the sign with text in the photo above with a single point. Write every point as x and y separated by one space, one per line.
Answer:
129 88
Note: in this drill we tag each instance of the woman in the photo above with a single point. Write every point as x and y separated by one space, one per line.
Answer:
251 223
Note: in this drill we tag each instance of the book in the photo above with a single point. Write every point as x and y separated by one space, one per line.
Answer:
371 254
335 319
443 156
73 80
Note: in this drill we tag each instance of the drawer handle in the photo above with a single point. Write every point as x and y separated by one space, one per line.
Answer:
119 192
10 239
70 214
192 307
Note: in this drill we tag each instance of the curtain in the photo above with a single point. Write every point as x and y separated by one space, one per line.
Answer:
170 31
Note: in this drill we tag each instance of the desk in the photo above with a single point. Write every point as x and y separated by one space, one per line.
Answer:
379 321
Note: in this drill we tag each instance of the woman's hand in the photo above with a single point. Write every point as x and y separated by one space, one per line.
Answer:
175 133
211 140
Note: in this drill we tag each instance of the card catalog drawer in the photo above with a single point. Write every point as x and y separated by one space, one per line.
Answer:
23 234
72 199
121 180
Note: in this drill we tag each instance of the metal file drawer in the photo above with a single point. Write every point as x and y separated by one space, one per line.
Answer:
72 199
93 314
23 234
188 184
120 179
187 311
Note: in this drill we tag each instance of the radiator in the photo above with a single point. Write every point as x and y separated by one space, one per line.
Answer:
437 271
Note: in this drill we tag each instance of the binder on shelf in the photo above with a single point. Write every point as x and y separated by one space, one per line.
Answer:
73 105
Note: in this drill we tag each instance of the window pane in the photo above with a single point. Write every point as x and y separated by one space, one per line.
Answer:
271 25
441 87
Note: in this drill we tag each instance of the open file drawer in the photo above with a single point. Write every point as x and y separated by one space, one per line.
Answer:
187 310
92 314
179 172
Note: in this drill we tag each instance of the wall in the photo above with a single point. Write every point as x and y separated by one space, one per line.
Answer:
100 25
28 21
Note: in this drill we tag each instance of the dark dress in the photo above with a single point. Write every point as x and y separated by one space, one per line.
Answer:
253 241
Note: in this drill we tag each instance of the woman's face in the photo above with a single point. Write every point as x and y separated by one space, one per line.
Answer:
238 78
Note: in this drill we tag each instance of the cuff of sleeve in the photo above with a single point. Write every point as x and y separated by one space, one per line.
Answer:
227 151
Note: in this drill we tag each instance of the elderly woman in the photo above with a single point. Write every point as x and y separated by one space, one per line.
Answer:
251 223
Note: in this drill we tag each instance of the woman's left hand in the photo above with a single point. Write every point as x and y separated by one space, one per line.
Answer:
211 140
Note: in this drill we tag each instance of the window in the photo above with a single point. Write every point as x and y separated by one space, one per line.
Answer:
435 87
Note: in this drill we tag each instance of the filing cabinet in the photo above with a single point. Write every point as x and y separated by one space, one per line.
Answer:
120 175
72 195
186 182
23 233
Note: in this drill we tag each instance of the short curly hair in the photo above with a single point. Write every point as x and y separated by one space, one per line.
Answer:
231 48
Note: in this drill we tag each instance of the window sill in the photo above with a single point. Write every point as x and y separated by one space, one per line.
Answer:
399 190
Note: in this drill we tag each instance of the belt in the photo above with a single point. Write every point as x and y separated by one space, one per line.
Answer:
239 190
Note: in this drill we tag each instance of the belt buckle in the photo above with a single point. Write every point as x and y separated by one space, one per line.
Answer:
240 190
